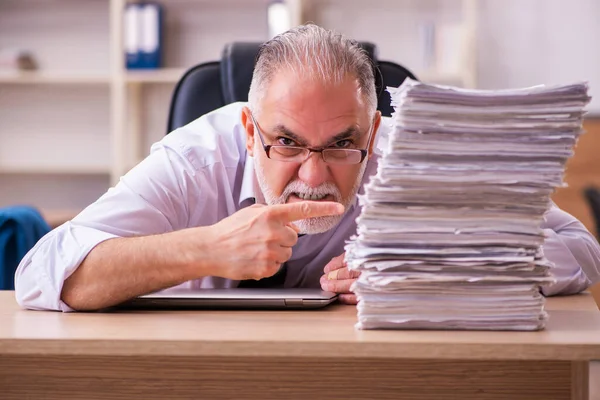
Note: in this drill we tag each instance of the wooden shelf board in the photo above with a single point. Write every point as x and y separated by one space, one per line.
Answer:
55 169
164 75
53 77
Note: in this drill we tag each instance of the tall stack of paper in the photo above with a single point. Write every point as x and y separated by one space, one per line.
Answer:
449 235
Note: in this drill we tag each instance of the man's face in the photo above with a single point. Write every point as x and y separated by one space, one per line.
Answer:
296 112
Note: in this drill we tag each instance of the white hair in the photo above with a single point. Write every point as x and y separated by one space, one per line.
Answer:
313 52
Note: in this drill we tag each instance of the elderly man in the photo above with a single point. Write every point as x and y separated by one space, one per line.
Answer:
259 190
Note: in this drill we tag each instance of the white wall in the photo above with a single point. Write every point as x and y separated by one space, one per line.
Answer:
519 42
529 42
393 25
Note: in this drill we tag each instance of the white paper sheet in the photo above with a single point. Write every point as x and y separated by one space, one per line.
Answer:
449 235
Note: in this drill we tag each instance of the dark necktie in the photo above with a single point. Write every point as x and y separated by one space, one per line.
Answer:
273 281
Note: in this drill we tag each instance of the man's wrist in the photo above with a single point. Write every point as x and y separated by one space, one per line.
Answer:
193 252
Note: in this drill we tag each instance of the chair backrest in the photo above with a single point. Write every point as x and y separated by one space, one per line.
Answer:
592 195
211 85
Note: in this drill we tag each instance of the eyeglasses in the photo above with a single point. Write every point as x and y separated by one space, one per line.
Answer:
300 154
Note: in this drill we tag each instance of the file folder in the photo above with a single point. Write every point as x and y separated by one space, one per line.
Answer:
151 38
143 35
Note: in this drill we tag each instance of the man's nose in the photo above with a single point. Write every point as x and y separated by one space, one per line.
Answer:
313 171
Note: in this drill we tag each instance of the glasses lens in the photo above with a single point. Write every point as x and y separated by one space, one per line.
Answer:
283 152
341 156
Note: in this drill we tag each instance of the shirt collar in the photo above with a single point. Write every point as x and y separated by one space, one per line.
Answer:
250 188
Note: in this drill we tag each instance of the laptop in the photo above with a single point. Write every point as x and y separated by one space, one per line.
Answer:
234 298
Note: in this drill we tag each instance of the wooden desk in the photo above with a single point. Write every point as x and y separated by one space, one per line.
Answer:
288 355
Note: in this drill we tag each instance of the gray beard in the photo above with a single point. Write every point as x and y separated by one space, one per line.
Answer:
314 225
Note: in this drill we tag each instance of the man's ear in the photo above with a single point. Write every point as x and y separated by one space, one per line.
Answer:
249 128
374 134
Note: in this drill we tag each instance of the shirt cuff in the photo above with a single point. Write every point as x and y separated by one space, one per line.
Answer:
40 277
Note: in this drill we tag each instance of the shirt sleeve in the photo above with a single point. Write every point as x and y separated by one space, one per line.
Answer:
574 252
152 198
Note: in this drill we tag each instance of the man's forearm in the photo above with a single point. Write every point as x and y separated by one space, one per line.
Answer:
119 269
249 244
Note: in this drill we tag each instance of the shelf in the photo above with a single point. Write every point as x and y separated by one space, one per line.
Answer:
51 77
164 75
86 101
54 169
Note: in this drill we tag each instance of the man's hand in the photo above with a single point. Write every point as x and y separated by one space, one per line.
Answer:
338 278
255 241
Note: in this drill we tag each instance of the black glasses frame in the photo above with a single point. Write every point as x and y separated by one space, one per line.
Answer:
268 147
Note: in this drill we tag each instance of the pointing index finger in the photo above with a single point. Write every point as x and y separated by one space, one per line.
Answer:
305 209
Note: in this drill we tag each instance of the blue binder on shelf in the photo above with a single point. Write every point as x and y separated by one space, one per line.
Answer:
143 35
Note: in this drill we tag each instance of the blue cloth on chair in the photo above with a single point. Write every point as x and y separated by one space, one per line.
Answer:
20 229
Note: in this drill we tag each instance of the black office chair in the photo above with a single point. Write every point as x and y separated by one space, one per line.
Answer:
592 195
211 85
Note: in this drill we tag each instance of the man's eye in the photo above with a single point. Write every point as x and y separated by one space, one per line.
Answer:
285 141
343 144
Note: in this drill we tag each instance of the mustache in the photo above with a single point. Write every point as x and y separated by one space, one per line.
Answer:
324 189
